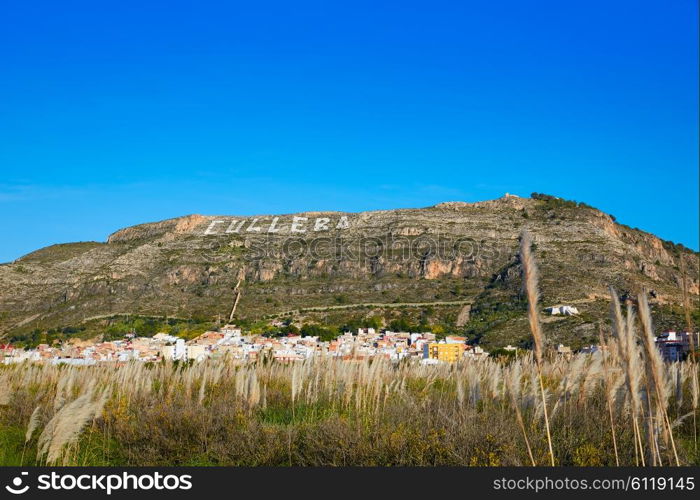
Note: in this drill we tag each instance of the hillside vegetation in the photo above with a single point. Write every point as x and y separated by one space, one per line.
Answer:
424 265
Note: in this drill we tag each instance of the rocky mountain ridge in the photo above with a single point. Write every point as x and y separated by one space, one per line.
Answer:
450 252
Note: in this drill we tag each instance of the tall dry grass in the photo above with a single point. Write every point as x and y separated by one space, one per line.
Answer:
530 279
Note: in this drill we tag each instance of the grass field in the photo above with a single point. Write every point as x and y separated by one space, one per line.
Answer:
338 413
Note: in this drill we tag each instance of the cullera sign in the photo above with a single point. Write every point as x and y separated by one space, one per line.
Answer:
264 225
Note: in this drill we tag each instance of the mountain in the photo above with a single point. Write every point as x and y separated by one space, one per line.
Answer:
453 266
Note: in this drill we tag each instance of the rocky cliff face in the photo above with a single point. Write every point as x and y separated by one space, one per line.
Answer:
452 251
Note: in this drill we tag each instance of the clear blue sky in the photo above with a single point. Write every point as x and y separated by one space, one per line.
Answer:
117 113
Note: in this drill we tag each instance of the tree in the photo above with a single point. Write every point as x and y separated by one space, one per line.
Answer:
323 334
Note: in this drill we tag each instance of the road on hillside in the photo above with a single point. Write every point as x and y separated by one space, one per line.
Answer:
375 304
307 309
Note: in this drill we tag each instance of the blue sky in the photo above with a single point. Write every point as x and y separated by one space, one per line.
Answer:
118 113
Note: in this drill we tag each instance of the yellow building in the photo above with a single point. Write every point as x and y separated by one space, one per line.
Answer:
446 352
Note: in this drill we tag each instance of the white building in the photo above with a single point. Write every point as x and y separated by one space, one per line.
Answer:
177 351
164 337
230 331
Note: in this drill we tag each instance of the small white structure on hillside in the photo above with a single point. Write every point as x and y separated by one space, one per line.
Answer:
563 310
